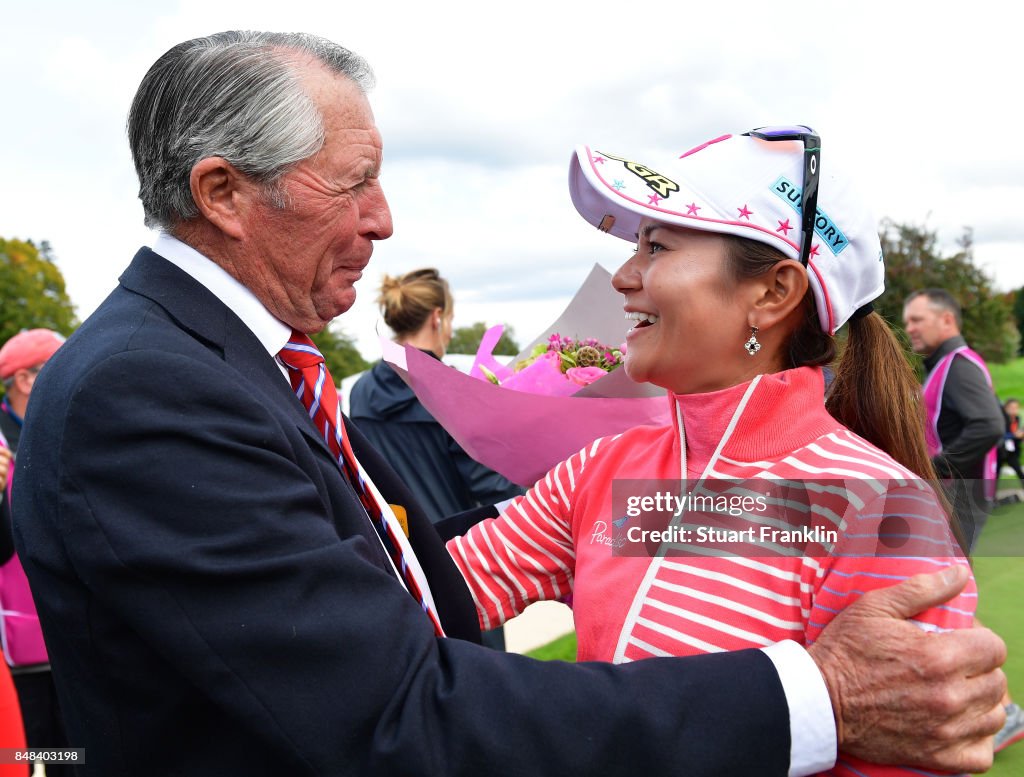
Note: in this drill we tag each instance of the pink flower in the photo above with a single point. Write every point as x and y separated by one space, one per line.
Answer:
584 376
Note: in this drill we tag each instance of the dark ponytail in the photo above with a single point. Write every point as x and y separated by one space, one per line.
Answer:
875 393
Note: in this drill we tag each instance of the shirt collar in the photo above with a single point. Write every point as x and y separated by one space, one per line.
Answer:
272 333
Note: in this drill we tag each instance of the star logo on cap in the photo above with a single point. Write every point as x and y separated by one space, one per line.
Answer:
784 227
691 209
654 199
597 160
814 249
744 213
618 184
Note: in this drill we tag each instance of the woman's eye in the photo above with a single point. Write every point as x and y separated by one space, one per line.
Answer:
653 248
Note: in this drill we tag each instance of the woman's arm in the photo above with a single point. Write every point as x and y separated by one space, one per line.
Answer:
527 553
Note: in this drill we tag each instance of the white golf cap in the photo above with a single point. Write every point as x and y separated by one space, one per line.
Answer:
746 186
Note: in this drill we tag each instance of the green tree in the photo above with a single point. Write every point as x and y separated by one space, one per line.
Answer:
914 261
466 339
340 353
32 290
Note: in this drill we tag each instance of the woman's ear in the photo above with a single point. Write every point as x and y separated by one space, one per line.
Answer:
778 292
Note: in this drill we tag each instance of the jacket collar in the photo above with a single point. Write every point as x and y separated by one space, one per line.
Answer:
200 313
188 302
947 347
785 411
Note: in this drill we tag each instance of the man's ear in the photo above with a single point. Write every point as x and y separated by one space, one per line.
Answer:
779 291
223 194
23 380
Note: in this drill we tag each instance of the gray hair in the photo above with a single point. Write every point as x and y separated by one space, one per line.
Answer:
940 299
235 95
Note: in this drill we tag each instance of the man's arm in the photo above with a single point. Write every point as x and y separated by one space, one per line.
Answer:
214 537
902 695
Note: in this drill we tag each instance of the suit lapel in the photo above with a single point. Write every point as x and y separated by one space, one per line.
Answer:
201 313
454 603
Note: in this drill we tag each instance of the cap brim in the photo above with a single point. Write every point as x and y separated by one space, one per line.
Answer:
598 201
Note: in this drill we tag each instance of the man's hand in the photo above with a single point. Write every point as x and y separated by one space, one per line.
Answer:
905 696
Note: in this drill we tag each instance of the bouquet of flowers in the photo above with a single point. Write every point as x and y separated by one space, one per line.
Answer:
558 367
558 395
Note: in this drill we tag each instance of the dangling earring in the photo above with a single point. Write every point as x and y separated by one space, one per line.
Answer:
752 345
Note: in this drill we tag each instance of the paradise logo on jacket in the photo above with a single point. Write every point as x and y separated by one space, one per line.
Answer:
662 185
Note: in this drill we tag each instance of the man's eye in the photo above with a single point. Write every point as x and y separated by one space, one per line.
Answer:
653 248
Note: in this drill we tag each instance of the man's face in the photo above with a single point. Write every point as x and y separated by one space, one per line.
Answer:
927 326
302 260
25 379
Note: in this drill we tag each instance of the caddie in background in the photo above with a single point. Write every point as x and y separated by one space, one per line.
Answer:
965 424
964 419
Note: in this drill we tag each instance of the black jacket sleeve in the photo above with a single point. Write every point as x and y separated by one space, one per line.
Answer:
214 603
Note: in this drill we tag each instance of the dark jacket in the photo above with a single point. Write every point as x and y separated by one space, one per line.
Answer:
215 601
434 467
12 433
970 420
11 429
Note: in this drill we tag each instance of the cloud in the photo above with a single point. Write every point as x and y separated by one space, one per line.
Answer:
480 107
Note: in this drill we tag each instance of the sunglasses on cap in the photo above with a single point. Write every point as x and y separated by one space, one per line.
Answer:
809 191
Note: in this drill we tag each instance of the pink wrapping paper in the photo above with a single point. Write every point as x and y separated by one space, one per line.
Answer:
522 435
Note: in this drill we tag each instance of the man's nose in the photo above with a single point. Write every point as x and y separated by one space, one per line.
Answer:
375 214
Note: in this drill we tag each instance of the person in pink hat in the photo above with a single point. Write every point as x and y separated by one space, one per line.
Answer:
766 508
21 359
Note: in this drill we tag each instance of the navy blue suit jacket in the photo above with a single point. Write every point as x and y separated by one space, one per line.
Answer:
215 601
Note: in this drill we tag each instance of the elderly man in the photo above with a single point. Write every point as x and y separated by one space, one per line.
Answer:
225 586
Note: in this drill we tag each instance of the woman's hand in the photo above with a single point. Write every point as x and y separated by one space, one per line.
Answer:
5 465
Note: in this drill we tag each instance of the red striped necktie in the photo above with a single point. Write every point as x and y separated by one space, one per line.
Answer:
313 385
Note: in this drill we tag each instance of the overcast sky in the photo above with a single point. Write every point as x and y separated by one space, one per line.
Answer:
481 103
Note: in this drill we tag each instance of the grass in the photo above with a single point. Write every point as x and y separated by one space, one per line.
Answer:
1008 379
999 570
561 649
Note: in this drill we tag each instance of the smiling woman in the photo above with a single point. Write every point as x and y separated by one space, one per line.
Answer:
680 284
748 260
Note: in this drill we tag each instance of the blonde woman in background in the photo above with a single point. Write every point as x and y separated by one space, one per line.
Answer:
418 308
